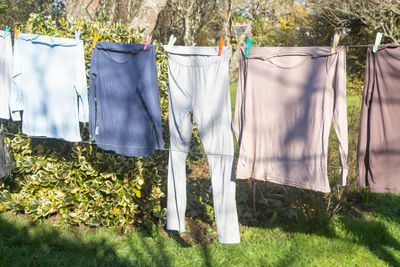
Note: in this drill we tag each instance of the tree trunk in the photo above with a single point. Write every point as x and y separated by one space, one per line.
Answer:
81 9
147 15
227 26
188 37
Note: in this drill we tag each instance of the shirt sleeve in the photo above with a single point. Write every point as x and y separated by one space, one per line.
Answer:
238 114
81 85
151 96
362 151
7 72
340 111
92 96
16 94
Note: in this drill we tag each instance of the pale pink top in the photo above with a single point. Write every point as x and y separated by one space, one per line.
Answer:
286 99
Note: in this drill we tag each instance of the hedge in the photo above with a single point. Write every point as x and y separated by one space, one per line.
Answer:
79 181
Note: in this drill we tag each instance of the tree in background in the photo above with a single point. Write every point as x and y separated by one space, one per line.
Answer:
187 20
17 12
380 15
297 25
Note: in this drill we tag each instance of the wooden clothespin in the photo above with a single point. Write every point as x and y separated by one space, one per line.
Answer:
249 44
8 28
378 40
95 39
16 31
221 44
335 43
77 34
147 41
172 40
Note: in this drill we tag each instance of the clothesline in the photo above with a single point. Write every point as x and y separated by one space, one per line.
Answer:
163 149
347 46
91 40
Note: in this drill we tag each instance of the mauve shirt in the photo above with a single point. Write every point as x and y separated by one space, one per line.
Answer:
286 99
379 139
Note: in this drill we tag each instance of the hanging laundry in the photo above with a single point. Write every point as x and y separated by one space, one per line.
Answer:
6 161
5 73
49 86
199 90
379 140
124 100
285 101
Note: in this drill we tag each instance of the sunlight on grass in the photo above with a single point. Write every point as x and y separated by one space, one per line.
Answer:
370 237
371 240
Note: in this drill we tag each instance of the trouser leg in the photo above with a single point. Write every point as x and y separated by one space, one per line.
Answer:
176 201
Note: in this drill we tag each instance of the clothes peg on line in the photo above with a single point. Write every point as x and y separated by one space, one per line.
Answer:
95 39
221 44
249 44
172 40
147 41
8 28
16 31
77 34
378 40
335 43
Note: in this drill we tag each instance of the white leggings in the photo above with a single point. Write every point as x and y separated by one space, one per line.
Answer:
199 88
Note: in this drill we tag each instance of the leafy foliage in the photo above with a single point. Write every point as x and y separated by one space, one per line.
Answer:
82 183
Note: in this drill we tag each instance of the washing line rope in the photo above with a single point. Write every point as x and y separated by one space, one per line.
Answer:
163 149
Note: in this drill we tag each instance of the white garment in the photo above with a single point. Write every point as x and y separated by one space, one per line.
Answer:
50 86
199 88
5 74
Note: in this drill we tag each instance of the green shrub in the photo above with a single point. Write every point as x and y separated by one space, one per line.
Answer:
82 183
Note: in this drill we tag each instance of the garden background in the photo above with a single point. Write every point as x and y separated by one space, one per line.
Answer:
74 204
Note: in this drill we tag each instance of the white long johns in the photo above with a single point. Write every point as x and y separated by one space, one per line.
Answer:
199 87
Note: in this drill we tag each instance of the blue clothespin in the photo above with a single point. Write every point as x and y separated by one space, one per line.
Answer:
249 44
77 34
8 28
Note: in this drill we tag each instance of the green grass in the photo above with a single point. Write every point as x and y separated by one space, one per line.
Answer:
369 239
366 234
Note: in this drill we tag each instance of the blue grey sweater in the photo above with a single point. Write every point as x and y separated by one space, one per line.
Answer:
124 101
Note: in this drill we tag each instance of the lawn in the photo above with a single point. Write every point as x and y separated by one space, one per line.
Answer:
370 238
364 234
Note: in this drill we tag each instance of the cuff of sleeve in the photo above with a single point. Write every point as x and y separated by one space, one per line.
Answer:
344 175
16 115
160 145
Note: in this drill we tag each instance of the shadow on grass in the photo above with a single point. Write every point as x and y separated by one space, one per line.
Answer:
368 231
373 235
25 244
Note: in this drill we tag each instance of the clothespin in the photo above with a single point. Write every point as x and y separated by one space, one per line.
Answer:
221 44
77 34
172 40
249 44
8 28
95 39
17 30
335 43
377 41
147 41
